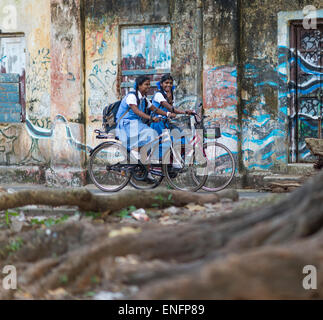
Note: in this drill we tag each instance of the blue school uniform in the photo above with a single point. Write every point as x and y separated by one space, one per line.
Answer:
160 126
131 130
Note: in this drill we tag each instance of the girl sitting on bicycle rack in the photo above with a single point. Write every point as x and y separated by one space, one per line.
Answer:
131 129
164 101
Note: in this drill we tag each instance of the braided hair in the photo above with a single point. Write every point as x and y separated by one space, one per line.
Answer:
139 81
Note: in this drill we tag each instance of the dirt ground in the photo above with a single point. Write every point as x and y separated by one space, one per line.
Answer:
68 254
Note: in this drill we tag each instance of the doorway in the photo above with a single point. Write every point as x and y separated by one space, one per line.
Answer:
306 87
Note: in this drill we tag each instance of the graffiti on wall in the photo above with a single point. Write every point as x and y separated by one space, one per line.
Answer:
42 133
38 84
264 126
102 85
37 130
101 66
8 137
220 103
306 87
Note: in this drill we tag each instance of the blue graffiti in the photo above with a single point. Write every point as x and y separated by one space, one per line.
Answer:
41 133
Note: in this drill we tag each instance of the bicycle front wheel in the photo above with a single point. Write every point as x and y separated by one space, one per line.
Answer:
221 166
180 175
108 167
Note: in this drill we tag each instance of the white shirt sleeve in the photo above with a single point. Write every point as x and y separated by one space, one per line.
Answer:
131 99
149 104
159 98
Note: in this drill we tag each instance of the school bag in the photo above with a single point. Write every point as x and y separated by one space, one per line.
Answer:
110 114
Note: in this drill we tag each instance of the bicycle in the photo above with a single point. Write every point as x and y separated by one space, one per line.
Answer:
220 160
221 163
111 166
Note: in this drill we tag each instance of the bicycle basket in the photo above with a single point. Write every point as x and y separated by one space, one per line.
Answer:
211 130
182 123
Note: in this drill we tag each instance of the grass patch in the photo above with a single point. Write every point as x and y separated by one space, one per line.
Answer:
15 245
50 221
9 214
162 201
125 213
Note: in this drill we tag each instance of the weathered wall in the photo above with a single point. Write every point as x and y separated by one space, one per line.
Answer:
18 147
102 49
264 85
220 89
245 68
67 80
53 134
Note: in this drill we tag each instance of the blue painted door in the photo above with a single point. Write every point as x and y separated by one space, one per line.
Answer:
144 50
12 79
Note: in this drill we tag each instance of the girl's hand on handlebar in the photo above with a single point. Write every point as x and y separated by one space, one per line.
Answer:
190 112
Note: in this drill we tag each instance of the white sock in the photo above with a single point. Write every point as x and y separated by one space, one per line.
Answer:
135 154
150 176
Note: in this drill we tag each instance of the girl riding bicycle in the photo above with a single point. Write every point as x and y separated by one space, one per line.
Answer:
133 110
164 101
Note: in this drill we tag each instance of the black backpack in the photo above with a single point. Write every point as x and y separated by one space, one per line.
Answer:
110 114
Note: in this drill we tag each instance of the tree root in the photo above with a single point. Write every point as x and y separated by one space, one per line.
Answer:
86 201
243 255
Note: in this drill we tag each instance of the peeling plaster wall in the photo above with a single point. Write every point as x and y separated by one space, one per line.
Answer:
103 21
245 73
53 133
67 80
16 145
220 83
264 86
184 46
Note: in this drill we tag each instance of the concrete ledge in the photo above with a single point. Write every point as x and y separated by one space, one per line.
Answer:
65 177
301 168
77 177
58 177
21 174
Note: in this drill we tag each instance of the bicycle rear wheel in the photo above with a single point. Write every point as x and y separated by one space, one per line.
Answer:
221 166
108 167
194 164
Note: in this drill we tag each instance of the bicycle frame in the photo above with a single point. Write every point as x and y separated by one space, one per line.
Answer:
166 137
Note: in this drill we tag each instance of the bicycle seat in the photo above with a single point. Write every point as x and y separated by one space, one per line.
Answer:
104 135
